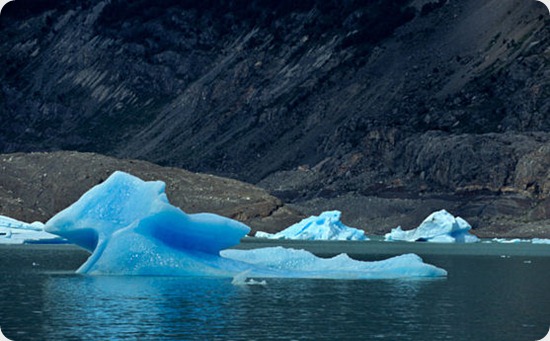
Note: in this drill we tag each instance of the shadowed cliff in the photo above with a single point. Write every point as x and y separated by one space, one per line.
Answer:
385 109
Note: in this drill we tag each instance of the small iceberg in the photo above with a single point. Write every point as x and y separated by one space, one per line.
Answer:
517 241
326 226
438 227
13 231
509 241
131 229
242 279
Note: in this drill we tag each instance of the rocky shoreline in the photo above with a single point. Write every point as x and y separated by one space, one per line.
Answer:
35 186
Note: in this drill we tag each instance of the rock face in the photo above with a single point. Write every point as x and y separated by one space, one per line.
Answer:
385 110
34 187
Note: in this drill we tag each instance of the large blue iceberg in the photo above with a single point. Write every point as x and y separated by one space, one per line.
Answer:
131 229
326 226
438 227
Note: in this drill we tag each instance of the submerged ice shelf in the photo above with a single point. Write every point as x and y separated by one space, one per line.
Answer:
277 261
131 229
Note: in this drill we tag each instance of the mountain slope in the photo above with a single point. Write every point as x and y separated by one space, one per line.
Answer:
314 100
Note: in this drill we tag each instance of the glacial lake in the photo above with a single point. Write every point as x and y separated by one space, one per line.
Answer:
495 297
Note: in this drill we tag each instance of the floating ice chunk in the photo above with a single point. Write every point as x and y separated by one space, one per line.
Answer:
19 236
125 201
242 279
509 241
13 231
517 240
303 264
326 226
439 227
8 222
131 229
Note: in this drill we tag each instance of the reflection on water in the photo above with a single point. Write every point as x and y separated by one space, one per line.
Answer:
173 308
134 308
484 298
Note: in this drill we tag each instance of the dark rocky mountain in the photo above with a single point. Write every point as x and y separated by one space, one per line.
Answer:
386 110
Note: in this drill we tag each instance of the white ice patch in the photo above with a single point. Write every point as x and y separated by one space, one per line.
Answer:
242 279
438 227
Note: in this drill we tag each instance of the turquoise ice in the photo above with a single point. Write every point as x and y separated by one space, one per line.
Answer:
130 228
326 226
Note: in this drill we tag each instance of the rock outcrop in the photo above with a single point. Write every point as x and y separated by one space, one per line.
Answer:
35 186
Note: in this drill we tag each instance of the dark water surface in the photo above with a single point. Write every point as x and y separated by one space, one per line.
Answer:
483 298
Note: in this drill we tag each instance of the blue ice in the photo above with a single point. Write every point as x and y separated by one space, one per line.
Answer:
130 228
13 231
326 226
